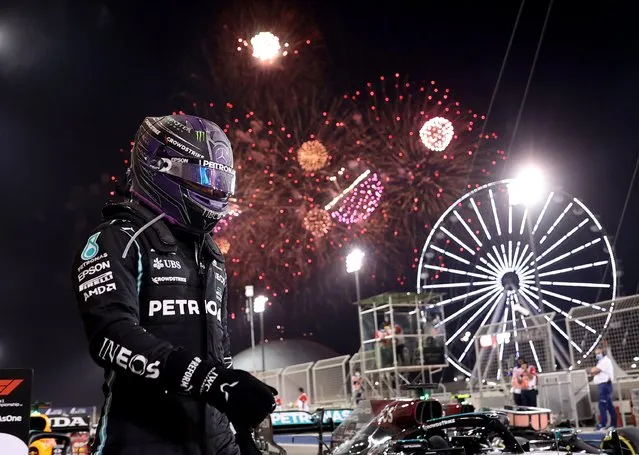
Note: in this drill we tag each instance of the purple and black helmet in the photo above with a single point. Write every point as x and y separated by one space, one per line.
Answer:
182 165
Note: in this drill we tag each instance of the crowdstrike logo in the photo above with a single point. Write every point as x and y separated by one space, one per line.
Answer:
184 148
225 386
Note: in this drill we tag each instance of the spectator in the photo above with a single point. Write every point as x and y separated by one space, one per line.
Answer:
603 377
518 382
529 395
302 400
356 386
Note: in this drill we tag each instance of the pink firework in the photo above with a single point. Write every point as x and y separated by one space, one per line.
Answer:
359 203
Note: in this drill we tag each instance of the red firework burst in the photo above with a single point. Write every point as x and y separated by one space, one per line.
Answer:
423 144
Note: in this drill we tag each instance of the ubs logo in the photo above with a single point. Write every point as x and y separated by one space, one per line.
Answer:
168 263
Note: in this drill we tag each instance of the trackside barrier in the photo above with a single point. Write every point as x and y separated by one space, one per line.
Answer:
294 377
566 394
330 383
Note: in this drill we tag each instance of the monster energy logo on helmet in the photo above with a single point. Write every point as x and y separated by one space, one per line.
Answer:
200 136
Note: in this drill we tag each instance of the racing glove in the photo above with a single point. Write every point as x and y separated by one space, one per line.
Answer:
244 399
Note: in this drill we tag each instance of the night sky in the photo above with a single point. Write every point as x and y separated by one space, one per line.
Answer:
76 79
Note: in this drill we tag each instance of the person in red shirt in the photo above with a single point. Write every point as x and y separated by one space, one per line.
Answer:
302 400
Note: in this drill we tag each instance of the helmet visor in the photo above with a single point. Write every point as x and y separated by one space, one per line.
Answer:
217 182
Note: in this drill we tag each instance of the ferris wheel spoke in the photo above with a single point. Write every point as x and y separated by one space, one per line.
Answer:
495 262
482 323
491 268
457 271
514 321
554 225
542 213
550 321
510 253
457 240
468 229
499 257
510 219
523 221
573 269
531 344
517 254
576 250
457 298
480 218
473 317
467 284
502 345
575 284
567 298
523 266
450 255
488 293
492 203
567 316
562 239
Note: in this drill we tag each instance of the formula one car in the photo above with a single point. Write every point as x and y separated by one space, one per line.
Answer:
418 427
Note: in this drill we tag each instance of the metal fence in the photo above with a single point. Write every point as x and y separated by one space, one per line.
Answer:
292 378
330 381
614 323
498 344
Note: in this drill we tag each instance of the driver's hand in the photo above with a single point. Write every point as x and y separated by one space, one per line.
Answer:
244 399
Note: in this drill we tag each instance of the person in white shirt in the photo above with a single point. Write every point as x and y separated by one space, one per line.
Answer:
517 383
603 377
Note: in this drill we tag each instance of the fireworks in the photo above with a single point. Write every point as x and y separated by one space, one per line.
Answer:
223 244
437 133
361 201
281 231
318 222
266 46
312 156
264 53
422 144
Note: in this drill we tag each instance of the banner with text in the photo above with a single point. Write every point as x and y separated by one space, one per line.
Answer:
299 418
15 409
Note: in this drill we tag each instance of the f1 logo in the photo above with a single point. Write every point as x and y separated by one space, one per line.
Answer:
9 385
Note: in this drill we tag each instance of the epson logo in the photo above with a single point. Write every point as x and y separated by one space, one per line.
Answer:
183 147
10 419
91 261
182 307
125 359
179 160
218 166
105 277
94 269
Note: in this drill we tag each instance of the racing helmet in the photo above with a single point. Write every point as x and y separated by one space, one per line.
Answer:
182 166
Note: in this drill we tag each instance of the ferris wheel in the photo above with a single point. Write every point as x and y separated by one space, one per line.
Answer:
494 260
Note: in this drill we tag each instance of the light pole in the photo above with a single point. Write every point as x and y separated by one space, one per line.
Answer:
259 307
249 292
527 189
354 262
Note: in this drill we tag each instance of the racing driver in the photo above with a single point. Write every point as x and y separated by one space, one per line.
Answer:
151 288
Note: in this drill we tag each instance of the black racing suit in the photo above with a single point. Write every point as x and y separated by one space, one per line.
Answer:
145 294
